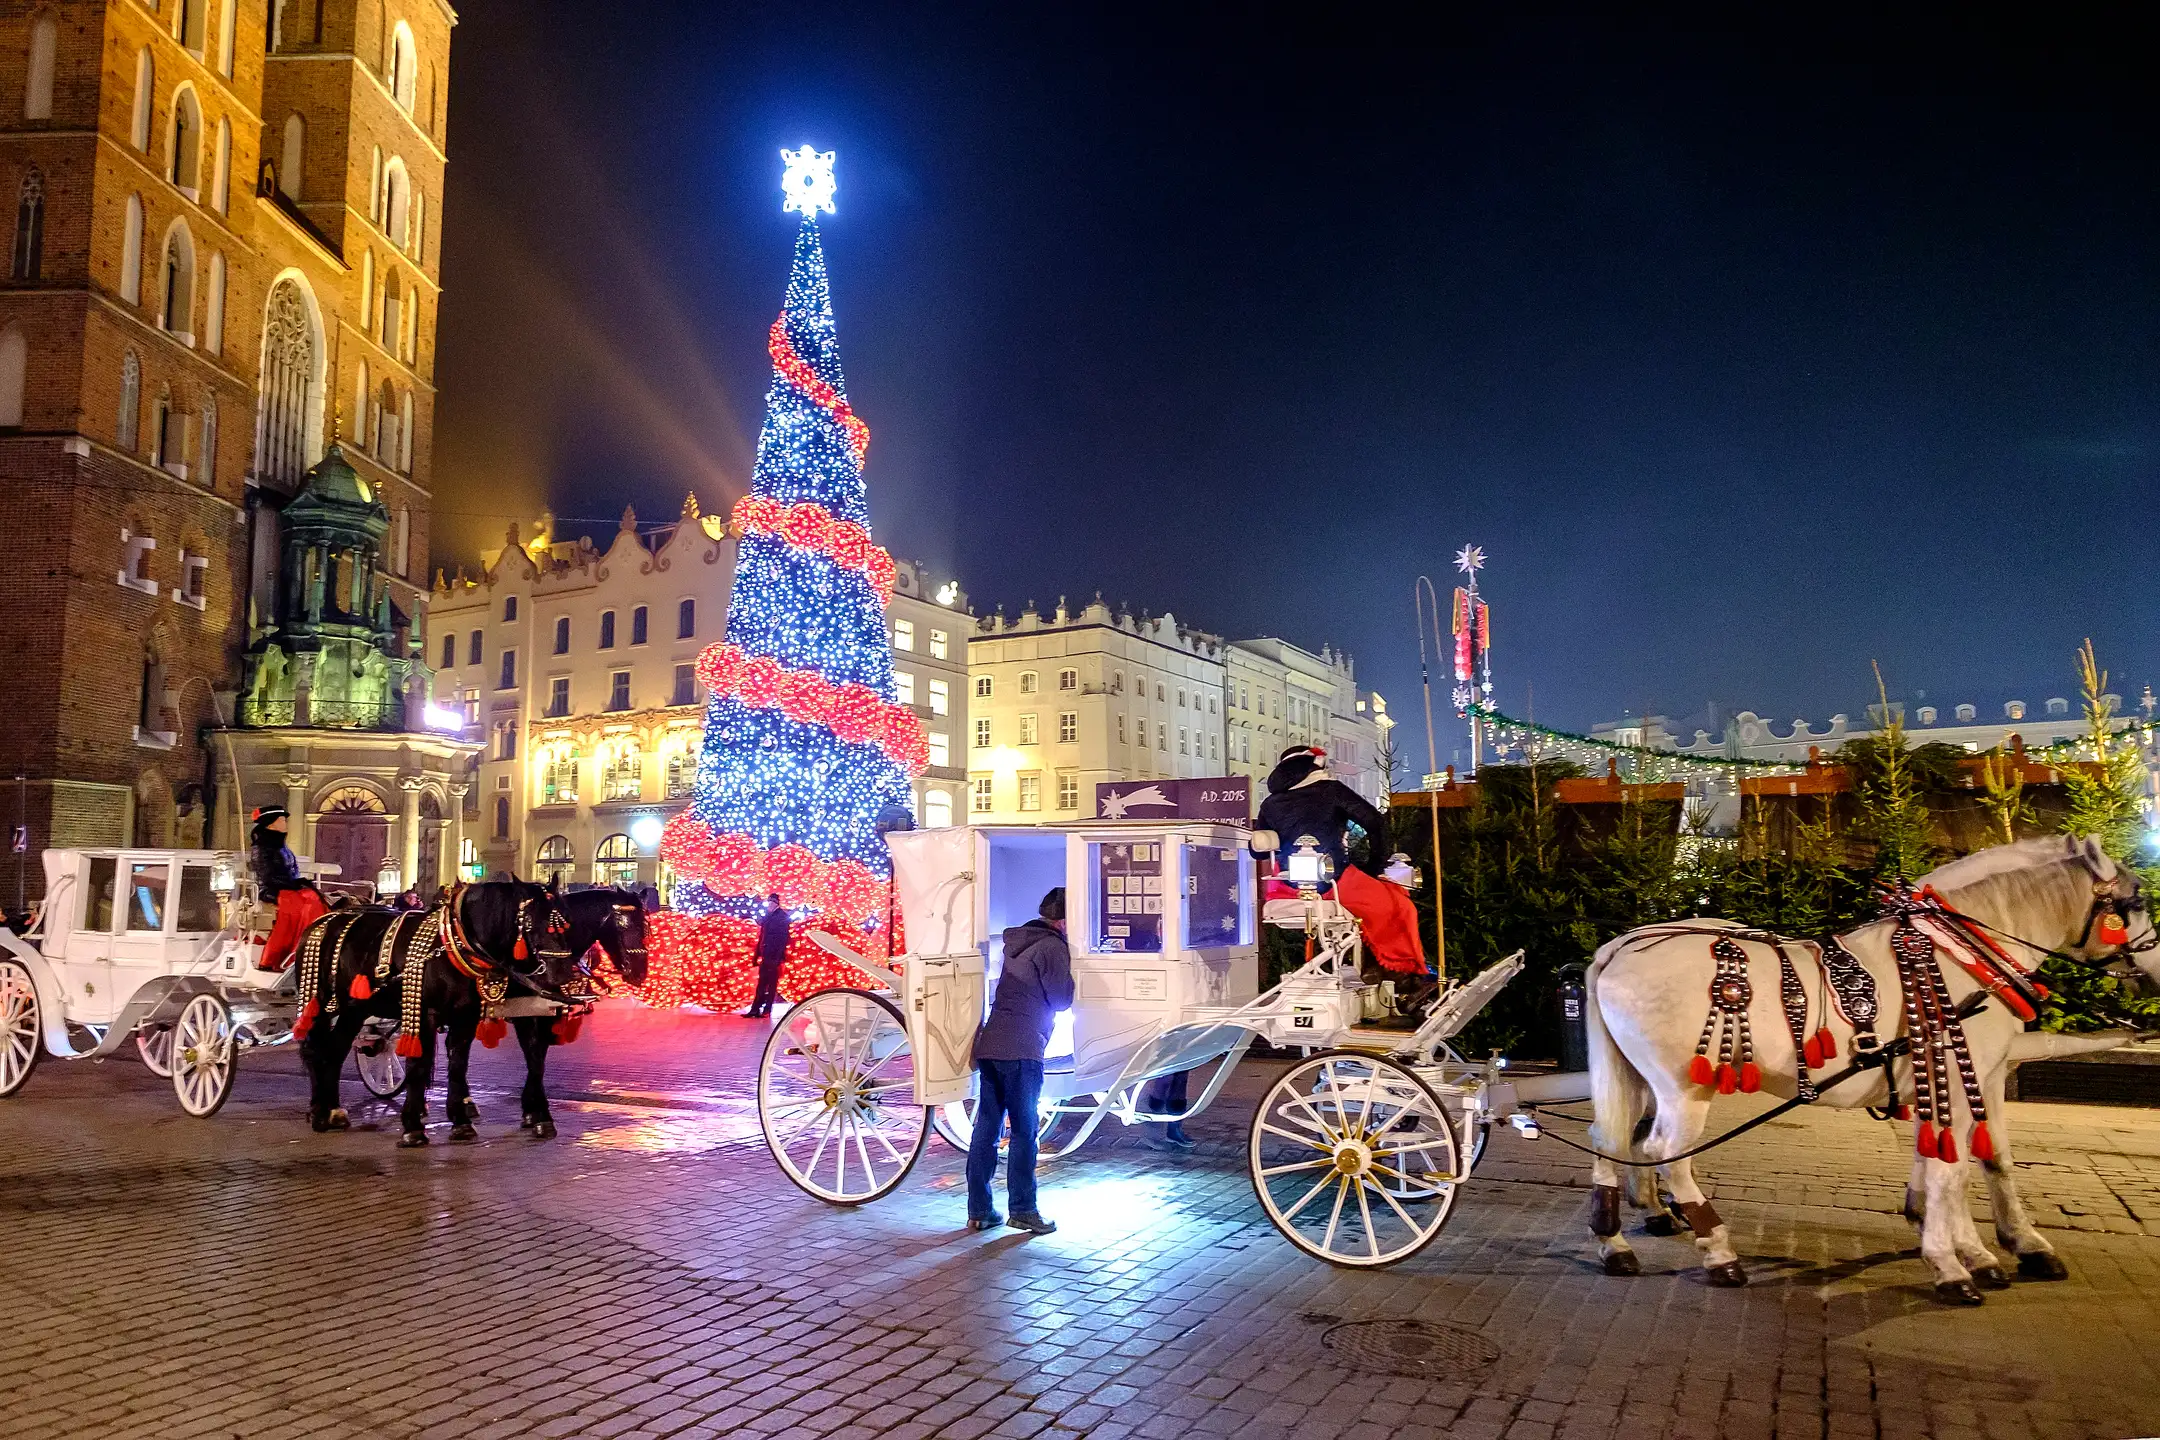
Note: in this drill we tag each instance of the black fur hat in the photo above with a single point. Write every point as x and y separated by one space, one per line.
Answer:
1053 905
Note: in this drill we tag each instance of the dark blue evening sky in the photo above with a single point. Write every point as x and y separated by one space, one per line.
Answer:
1749 351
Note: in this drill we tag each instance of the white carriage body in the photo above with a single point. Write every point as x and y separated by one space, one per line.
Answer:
1159 917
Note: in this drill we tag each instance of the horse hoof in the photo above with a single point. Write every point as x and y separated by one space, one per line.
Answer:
320 1124
412 1139
338 1120
463 1133
1660 1224
472 1109
1623 1262
1991 1277
1958 1292
526 1123
543 1130
1728 1276
2042 1265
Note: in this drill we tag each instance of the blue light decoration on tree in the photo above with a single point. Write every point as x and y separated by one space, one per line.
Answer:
805 744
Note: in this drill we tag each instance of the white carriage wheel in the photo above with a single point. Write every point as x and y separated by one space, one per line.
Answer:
382 1069
836 1097
955 1124
154 1044
205 1054
21 1040
1353 1158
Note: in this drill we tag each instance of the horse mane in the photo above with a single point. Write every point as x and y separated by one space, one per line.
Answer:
2008 883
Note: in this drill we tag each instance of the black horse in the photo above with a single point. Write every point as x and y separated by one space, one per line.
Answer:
507 932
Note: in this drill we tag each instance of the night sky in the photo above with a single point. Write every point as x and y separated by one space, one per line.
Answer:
1749 355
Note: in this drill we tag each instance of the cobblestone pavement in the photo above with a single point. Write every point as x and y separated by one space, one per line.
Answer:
652 1273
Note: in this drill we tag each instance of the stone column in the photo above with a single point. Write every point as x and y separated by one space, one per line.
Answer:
454 837
299 825
409 822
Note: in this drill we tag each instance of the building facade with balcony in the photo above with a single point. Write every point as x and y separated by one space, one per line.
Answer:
576 667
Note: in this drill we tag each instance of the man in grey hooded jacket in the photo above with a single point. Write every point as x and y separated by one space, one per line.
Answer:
1034 985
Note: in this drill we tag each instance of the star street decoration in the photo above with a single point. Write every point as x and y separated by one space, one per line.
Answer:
1470 559
808 182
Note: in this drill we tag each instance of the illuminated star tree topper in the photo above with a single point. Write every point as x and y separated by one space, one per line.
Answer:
808 183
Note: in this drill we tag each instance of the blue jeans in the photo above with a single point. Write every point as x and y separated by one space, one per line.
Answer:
1004 1088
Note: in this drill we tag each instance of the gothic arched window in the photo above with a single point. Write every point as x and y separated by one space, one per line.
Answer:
289 394
130 401
30 227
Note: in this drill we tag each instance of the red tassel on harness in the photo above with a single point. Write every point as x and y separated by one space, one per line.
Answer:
1728 1079
1924 1142
1699 1071
566 1029
408 1046
362 988
1983 1144
1750 1078
1946 1147
490 1032
1827 1042
520 951
306 1022
1812 1051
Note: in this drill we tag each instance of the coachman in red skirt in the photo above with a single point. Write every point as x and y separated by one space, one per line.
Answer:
278 882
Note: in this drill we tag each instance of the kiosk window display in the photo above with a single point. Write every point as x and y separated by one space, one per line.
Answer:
1127 879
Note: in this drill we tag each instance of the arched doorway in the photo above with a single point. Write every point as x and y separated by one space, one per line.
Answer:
352 832
555 862
616 863
431 831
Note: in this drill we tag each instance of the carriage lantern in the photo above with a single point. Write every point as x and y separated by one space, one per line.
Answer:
224 875
1402 872
1309 867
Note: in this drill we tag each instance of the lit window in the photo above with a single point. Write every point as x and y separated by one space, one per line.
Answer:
903 635
1068 796
982 734
1068 679
940 748
937 810
1027 682
1031 792
615 863
980 791
940 646
940 698
982 687
904 687
1068 726
1027 729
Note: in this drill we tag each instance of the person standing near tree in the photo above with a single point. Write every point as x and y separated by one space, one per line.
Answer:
1033 986
775 928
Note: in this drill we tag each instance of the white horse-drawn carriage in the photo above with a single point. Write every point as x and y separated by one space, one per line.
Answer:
158 949
1355 1151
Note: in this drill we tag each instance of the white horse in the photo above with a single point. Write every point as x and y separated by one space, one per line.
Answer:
1650 992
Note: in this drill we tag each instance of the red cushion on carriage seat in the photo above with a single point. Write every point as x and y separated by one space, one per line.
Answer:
1388 918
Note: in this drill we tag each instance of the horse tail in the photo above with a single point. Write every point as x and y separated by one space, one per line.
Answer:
1619 1095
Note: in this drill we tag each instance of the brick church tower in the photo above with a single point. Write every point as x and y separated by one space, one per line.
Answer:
225 255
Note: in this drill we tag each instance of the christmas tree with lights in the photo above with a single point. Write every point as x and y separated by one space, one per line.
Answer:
805 746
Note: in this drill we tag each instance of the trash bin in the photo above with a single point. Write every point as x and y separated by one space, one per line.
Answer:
1574 1036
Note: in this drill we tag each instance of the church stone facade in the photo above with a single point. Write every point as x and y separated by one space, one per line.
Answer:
225 255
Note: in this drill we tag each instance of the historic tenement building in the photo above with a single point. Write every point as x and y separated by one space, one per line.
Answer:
225 253
577 665
1061 702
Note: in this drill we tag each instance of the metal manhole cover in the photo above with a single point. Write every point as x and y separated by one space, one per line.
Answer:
1409 1347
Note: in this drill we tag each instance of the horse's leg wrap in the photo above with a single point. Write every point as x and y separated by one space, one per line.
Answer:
1604 1210
1702 1218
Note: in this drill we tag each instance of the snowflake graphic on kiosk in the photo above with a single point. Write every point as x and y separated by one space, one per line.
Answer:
805 745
